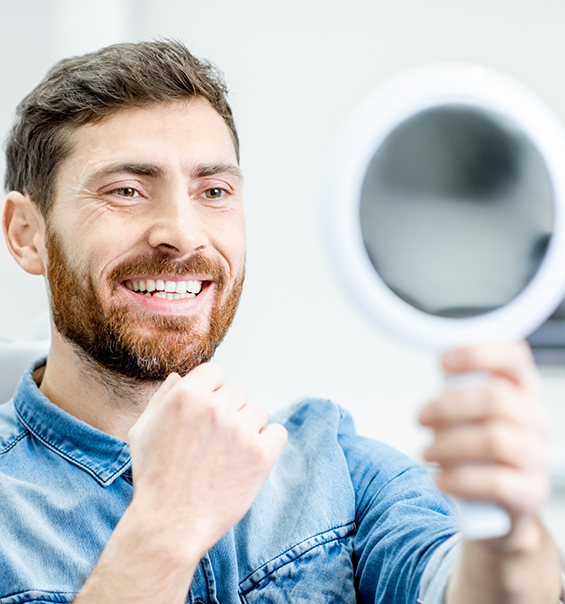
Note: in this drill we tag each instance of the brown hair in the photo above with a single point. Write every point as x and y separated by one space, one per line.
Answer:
88 88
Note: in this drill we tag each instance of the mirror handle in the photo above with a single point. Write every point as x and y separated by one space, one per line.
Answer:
478 519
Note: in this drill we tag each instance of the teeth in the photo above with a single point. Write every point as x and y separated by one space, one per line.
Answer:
170 290
194 287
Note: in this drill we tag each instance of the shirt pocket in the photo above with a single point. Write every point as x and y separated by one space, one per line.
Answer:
317 570
39 597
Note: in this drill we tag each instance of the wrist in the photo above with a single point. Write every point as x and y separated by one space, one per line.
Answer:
160 531
142 563
524 539
522 567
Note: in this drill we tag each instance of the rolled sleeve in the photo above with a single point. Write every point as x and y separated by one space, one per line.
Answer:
435 578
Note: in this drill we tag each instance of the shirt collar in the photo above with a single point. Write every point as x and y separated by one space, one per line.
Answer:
101 455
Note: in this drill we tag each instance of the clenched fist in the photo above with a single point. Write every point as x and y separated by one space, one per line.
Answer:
200 454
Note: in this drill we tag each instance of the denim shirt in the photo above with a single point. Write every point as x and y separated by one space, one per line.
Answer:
341 518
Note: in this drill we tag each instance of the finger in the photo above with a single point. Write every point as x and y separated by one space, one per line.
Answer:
496 442
231 397
274 437
515 490
208 376
500 399
255 416
512 360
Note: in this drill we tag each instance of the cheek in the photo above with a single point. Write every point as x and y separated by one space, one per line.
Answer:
232 245
91 249
90 233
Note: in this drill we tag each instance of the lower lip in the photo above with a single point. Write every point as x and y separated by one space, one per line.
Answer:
163 306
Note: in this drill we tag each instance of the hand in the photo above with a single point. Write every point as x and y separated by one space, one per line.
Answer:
491 441
200 454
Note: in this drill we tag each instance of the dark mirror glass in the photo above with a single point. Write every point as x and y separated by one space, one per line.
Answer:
456 211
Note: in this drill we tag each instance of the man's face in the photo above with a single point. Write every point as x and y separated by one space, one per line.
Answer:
146 239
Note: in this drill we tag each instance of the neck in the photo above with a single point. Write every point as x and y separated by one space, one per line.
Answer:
101 398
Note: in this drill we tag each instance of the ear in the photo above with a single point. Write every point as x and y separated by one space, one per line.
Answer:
24 229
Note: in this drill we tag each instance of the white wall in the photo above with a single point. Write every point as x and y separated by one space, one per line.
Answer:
295 69
33 35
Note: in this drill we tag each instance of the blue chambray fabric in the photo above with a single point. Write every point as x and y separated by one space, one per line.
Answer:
341 518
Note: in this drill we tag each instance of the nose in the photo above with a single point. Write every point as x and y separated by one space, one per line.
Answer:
177 226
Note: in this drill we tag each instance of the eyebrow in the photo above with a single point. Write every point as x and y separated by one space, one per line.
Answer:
129 168
204 170
155 171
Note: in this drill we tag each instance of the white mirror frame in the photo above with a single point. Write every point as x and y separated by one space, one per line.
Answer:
354 148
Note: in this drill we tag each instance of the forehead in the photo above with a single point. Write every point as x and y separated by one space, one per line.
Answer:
177 134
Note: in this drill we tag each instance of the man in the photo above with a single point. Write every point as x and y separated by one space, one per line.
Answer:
130 472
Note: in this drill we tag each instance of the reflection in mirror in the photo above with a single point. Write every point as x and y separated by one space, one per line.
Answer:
438 179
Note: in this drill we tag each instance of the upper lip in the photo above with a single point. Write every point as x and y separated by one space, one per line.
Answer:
168 278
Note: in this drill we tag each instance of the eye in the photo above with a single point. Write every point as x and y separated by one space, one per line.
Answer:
126 192
214 193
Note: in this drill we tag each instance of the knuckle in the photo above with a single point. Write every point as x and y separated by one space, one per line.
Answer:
214 369
446 481
260 414
208 369
500 486
283 432
496 396
445 408
238 393
474 356
534 455
189 402
218 417
180 400
278 436
495 442
502 399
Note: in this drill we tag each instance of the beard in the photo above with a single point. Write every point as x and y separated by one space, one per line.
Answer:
132 342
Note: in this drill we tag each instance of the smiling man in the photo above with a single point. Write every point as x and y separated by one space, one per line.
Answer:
118 195
130 472
146 283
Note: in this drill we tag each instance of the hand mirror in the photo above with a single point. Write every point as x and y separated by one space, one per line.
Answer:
445 208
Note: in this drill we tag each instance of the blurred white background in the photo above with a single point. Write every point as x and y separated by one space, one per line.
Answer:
295 69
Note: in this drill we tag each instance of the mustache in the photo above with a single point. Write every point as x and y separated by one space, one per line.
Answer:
159 262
